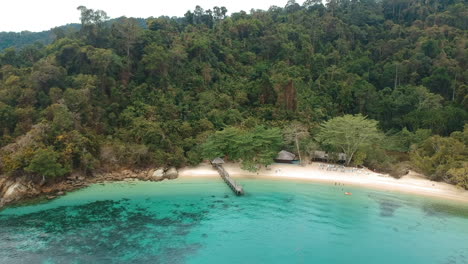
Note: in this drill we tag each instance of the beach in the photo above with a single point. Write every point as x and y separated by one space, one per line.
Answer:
413 182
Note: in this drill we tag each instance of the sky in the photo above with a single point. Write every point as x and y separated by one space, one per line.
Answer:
39 15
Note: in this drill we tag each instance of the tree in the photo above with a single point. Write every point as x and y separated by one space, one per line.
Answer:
90 16
292 6
459 176
311 3
253 147
261 145
77 151
444 158
440 82
45 163
405 140
92 25
155 59
219 13
46 74
349 133
60 117
8 119
294 133
127 31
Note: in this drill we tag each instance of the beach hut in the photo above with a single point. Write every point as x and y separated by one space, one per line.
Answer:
285 157
341 157
320 155
217 161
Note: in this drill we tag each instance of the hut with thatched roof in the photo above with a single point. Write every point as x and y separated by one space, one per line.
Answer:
285 157
217 161
341 157
329 157
320 155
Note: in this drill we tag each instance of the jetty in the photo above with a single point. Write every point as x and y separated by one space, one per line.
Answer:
218 165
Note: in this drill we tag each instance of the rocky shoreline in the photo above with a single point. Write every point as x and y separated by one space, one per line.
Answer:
21 189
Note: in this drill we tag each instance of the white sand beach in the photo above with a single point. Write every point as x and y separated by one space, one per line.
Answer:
412 183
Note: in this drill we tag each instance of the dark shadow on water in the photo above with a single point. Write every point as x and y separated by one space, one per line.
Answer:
388 204
388 207
98 232
435 209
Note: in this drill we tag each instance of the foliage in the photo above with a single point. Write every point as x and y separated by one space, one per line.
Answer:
458 175
349 134
135 92
114 154
296 133
405 140
444 158
253 147
45 162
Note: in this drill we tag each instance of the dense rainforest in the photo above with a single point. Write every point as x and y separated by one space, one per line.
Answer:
180 90
19 40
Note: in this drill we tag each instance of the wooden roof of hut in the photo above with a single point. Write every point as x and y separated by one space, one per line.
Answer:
285 155
318 154
341 157
218 160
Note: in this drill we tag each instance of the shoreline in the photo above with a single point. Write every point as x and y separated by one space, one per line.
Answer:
412 183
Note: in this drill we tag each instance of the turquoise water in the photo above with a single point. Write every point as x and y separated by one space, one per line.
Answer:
197 221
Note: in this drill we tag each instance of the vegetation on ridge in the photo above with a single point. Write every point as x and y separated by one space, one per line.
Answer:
117 94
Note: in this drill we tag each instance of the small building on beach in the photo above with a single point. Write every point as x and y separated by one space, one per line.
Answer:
327 157
217 161
320 155
285 157
341 157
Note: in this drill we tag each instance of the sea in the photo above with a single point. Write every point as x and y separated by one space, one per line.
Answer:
198 220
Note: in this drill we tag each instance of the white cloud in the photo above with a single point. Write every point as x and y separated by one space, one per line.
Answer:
38 15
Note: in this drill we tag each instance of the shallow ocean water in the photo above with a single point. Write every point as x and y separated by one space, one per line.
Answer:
199 220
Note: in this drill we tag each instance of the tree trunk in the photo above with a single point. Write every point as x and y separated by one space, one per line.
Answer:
298 150
42 181
348 159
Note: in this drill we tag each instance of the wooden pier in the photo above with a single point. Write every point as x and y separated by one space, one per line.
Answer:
236 188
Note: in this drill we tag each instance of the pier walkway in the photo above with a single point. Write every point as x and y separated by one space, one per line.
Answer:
236 188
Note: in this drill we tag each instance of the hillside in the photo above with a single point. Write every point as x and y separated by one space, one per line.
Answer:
19 40
114 95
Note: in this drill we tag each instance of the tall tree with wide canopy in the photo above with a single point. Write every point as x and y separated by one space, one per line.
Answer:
349 133
253 147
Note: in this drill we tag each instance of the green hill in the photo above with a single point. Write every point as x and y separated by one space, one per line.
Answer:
118 94
21 39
